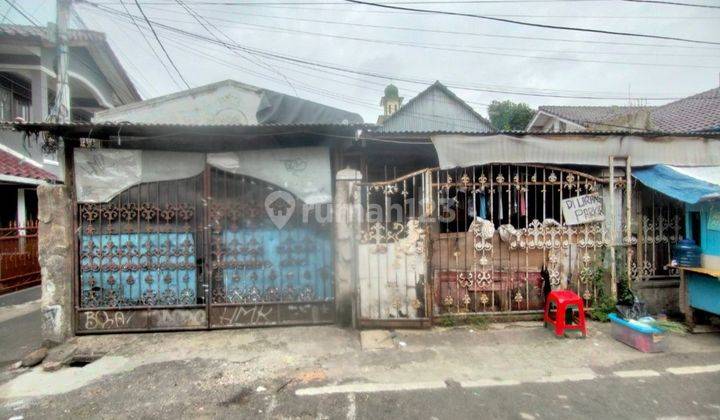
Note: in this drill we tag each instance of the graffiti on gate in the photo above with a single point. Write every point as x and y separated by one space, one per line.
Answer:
246 315
106 320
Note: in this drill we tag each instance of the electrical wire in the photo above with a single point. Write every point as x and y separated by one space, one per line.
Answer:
458 123
336 67
472 51
412 29
674 3
149 44
22 13
200 19
137 3
536 25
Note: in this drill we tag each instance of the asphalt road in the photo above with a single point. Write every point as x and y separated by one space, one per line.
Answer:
182 390
21 334
692 396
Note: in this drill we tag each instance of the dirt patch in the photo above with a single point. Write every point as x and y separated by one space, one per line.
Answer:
239 398
310 376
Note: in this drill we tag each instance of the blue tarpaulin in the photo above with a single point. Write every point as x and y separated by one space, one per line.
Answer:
690 185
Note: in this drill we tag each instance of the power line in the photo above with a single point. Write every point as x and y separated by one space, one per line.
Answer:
623 97
439 31
296 60
404 28
22 13
537 25
436 2
149 44
473 51
674 3
137 3
200 19
324 92
245 3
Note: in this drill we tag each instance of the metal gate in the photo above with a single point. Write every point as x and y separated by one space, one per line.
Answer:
489 239
199 253
270 256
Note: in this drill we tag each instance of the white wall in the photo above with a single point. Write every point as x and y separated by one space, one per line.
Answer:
225 104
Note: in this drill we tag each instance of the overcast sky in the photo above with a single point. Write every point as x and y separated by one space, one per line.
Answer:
514 58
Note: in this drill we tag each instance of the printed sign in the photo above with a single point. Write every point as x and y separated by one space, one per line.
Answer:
583 209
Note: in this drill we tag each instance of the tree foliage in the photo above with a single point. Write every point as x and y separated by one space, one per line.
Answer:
508 115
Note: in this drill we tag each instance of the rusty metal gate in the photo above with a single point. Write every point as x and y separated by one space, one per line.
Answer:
489 239
201 253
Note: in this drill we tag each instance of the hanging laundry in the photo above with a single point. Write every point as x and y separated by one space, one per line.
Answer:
523 206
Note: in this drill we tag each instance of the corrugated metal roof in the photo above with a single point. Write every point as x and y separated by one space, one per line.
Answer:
436 108
42 33
711 134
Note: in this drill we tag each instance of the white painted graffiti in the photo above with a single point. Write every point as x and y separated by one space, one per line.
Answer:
104 320
246 315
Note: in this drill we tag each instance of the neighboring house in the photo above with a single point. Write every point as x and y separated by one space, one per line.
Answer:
561 119
27 91
434 110
699 112
227 102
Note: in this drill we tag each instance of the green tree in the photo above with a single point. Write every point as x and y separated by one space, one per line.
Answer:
508 115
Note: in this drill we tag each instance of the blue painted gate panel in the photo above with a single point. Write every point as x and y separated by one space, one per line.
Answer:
266 264
136 269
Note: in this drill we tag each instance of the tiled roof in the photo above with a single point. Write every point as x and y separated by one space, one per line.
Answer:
700 112
11 165
41 33
590 114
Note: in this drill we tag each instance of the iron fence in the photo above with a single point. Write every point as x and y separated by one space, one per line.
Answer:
19 265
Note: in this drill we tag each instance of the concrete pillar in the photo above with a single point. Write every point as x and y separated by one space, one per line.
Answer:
56 250
39 110
347 212
21 218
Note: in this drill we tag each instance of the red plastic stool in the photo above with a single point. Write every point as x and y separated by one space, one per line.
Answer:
561 301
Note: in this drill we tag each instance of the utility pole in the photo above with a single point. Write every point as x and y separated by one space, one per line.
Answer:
61 110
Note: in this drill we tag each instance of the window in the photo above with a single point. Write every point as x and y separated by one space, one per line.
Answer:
15 97
5 104
22 108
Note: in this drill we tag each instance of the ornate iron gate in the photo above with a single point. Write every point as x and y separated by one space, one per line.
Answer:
486 239
140 259
393 251
202 253
502 242
266 270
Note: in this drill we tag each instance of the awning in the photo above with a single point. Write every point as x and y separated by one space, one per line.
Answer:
577 149
688 184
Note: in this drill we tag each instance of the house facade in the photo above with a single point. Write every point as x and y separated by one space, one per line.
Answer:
27 91
696 113
300 221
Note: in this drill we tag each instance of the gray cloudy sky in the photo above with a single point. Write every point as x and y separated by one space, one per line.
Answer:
513 58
